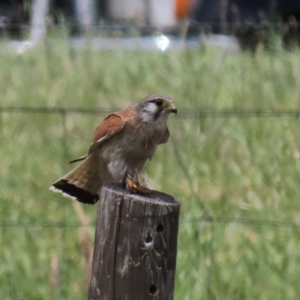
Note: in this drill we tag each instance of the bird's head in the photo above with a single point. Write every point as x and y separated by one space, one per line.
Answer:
154 107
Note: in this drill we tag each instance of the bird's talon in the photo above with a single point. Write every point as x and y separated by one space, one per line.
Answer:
135 188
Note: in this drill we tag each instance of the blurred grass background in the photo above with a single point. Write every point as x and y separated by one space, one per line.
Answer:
237 177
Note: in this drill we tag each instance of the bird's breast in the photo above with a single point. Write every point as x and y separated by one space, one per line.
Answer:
117 168
130 150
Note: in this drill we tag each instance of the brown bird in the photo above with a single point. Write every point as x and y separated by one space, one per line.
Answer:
122 145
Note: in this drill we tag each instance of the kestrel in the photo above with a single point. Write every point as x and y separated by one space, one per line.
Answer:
122 145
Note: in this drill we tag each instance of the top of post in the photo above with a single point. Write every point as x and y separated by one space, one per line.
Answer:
154 197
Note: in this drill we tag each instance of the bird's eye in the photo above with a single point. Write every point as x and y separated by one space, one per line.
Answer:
159 102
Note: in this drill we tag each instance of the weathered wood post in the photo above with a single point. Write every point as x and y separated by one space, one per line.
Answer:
135 246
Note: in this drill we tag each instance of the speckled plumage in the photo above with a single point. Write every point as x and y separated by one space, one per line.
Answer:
122 145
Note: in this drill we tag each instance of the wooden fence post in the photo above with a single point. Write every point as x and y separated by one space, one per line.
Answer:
135 246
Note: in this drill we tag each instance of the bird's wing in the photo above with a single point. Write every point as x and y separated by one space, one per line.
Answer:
83 157
112 124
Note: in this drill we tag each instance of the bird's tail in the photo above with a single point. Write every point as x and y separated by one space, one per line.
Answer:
83 183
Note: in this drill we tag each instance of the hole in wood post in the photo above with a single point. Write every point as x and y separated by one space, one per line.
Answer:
148 239
160 227
153 289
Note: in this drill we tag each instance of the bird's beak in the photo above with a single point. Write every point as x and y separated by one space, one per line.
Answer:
172 108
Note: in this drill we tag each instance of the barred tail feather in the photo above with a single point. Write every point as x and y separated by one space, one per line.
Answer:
82 183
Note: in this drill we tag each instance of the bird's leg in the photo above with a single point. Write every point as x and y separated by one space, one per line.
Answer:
136 188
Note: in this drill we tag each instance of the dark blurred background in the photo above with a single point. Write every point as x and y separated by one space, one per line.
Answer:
249 21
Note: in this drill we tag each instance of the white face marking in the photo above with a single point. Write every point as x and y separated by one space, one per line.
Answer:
151 107
149 111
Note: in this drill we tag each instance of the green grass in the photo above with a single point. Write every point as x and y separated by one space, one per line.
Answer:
239 168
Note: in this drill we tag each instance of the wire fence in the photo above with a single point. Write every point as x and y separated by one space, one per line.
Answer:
152 27
207 217
184 112
248 33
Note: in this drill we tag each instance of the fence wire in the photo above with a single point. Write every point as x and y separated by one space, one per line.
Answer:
207 217
110 26
248 33
184 112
